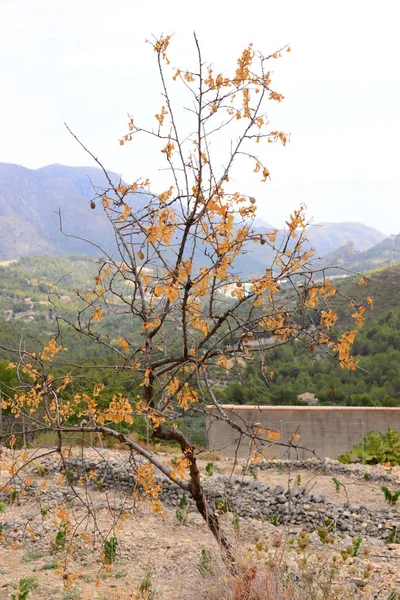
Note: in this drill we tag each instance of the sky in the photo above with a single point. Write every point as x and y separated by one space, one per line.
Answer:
86 63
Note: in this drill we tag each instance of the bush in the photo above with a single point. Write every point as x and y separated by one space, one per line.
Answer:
379 448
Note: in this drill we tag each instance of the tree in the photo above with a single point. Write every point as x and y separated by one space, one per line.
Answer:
188 315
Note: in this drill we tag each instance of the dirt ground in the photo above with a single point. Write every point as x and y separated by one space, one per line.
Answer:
169 550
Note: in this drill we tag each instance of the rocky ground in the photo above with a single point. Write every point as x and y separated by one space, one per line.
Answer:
277 513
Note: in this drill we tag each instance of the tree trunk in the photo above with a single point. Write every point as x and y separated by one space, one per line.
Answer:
197 493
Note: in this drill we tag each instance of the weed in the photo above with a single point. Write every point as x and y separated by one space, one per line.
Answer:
367 476
43 511
32 556
337 484
25 585
260 547
303 540
69 476
14 497
323 534
110 550
2 507
356 545
71 594
182 510
146 587
61 537
205 564
253 472
120 574
236 523
222 504
40 469
50 566
393 537
390 497
211 468
298 479
21 591
274 520
329 524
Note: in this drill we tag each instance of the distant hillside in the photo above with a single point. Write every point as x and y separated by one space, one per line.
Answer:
386 253
327 237
29 224
24 315
24 284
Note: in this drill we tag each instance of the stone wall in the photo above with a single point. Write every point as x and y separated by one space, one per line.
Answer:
329 431
247 498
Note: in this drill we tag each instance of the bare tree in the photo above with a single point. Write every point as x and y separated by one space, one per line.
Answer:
175 277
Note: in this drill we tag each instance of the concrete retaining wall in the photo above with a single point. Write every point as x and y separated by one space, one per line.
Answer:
329 431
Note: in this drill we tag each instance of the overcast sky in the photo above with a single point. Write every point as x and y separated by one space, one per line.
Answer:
86 62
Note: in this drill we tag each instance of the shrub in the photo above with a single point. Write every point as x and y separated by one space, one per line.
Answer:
379 448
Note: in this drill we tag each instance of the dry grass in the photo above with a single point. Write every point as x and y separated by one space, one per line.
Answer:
210 455
318 577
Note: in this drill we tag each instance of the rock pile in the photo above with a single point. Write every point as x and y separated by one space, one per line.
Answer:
248 498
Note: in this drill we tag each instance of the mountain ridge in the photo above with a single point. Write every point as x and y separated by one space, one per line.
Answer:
29 223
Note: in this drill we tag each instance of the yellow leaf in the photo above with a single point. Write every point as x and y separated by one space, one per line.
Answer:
97 315
126 212
123 343
273 435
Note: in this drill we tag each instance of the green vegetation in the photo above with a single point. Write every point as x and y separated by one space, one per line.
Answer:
296 370
25 585
61 537
110 550
390 497
379 448
211 468
182 510
146 589
356 545
24 314
205 565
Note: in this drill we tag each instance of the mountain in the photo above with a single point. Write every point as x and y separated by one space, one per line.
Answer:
30 199
347 257
29 223
327 237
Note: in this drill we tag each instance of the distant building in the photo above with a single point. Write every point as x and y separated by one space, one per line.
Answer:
311 399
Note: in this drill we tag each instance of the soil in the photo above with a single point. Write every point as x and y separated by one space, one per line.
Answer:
170 552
